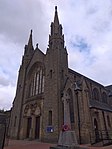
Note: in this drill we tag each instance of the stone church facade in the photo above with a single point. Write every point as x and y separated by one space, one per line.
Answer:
37 111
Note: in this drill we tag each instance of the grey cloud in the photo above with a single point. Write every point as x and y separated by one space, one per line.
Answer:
4 81
6 96
90 20
18 17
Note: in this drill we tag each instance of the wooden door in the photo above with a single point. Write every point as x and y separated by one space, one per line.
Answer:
96 130
37 127
29 121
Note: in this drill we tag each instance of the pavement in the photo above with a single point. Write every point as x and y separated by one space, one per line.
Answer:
24 144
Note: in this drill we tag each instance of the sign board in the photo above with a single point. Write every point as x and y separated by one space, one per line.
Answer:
50 129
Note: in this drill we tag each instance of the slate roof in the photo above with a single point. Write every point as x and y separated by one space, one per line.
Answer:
98 105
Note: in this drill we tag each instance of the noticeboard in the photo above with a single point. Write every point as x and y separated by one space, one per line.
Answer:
49 129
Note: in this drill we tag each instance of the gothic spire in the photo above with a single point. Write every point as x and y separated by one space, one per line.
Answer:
29 47
56 20
56 27
30 43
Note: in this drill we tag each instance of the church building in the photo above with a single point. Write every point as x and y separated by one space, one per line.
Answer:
43 79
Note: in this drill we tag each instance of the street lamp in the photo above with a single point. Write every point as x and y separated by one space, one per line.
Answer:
77 89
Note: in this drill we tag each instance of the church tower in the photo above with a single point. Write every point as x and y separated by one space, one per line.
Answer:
16 113
29 50
56 64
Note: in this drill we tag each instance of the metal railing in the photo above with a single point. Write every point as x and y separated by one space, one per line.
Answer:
103 136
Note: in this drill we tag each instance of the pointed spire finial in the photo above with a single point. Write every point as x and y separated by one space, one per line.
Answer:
55 8
31 31
37 45
56 20
29 47
30 39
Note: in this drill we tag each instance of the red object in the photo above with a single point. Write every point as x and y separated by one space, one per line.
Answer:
65 127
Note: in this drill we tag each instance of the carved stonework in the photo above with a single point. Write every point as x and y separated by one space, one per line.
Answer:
37 111
66 100
26 109
31 109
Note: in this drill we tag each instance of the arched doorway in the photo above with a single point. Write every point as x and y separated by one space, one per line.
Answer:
29 123
37 127
96 130
32 121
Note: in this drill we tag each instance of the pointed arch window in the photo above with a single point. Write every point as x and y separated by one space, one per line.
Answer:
104 97
43 80
95 94
108 121
50 118
60 28
36 85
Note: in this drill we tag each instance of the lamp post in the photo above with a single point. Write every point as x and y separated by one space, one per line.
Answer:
77 89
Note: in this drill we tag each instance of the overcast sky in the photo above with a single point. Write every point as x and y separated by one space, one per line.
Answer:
87 26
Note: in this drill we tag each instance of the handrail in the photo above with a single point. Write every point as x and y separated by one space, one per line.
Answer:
104 136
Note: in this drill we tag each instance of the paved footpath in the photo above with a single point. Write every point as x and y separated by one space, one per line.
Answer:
23 144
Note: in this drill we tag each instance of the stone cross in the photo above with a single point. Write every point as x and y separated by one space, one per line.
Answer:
67 139
65 100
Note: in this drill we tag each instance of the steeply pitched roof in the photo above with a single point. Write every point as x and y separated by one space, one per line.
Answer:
99 105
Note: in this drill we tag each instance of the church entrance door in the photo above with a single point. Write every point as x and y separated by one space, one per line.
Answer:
29 121
37 127
97 137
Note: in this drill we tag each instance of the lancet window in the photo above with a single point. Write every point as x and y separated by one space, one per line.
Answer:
36 84
95 94
104 97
